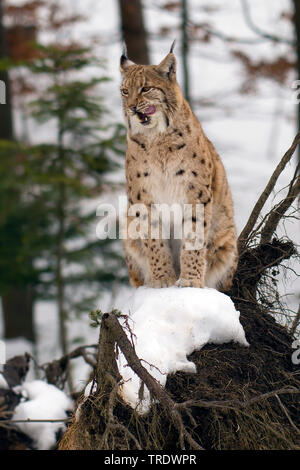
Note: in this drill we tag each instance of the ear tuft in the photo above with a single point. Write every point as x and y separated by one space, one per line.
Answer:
123 59
172 46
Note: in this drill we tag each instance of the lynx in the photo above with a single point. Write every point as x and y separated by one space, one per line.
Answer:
170 160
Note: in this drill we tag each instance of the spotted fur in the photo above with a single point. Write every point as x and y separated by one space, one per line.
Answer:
170 160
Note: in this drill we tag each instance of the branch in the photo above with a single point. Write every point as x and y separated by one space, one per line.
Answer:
243 238
287 415
233 404
110 322
278 212
55 371
29 420
260 32
226 38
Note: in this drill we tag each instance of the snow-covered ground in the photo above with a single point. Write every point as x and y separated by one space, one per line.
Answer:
42 411
42 403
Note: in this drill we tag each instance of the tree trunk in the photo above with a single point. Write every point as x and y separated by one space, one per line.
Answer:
17 307
6 128
133 30
17 304
61 218
185 49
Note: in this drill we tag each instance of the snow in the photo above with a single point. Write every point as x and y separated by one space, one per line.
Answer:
42 402
3 383
170 323
250 131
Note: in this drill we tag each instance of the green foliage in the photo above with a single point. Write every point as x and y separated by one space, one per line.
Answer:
46 221
23 220
96 316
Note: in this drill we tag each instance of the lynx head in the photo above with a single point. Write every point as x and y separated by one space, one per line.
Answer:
150 94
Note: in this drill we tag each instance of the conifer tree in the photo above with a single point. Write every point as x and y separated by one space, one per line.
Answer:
85 148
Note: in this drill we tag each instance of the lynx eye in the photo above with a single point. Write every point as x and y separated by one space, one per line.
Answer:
145 89
124 92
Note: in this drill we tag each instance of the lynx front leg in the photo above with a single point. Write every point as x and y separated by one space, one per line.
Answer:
162 272
193 251
136 262
161 265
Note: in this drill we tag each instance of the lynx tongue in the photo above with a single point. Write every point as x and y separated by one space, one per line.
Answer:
150 110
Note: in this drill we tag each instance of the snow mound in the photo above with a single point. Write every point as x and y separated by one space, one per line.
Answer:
170 323
43 402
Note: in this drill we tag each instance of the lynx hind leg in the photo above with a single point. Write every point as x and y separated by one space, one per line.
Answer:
136 262
221 262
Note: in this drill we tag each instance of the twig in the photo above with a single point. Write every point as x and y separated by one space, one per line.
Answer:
244 236
78 352
233 404
260 32
56 370
110 322
29 420
278 212
287 415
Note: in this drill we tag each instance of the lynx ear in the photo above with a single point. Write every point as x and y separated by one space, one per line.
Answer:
172 46
124 61
167 67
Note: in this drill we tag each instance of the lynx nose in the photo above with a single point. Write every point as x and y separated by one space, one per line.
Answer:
133 109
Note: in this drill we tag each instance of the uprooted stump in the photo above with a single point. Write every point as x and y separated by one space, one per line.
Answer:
240 398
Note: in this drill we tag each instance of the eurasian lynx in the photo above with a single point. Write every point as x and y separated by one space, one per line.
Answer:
170 160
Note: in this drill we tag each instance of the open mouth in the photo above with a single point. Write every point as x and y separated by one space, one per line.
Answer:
145 117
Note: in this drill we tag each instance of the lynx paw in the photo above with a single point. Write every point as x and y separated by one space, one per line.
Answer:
188 283
160 283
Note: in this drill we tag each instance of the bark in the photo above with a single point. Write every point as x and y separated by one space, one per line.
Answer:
18 303
133 30
106 361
